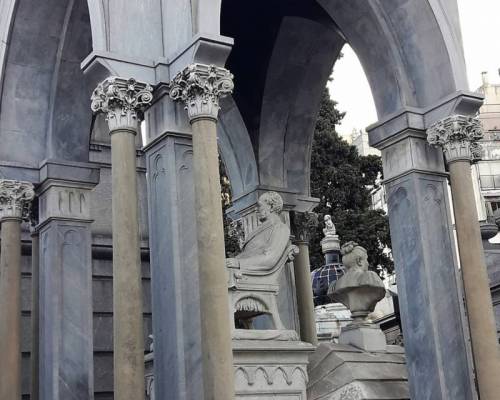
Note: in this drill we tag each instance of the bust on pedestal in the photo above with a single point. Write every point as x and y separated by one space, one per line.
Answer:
359 290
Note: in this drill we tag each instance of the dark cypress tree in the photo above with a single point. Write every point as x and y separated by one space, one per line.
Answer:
341 179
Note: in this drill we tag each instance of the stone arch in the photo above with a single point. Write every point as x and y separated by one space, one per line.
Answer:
410 51
42 78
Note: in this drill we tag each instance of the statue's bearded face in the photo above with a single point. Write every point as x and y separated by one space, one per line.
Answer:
263 210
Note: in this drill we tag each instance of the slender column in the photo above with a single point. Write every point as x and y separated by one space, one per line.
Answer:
35 313
458 136
303 223
122 100
200 87
15 202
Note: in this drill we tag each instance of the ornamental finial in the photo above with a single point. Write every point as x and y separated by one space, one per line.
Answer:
200 87
458 135
15 199
121 100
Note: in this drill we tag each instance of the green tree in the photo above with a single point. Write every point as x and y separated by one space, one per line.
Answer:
341 179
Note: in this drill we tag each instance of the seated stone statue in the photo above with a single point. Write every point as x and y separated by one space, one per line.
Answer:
254 273
265 245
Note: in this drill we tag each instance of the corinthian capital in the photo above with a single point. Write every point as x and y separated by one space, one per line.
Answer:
200 87
458 135
15 199
121 100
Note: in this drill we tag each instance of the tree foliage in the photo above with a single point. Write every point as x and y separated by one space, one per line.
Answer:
342 179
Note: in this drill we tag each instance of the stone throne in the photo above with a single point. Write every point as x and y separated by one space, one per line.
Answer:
254 292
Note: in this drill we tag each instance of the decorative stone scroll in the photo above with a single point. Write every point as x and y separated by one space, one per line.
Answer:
458 135
200 87
15 199
122 100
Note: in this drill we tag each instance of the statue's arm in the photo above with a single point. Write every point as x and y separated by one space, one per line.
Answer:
271 252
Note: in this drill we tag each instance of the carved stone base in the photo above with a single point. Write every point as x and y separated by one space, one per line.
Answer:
344 372
266 369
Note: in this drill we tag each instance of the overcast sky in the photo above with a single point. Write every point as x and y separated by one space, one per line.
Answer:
481 37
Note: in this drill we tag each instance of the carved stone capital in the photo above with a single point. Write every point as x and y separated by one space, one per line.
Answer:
15 199
122 100
458 135
200 87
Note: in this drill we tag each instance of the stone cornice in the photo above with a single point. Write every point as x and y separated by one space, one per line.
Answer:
121 100
15 199
199 87
458 135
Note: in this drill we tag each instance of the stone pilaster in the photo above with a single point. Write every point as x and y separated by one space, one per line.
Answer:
303 224
122 101
65 333
199 87
15 203
458 136
436 344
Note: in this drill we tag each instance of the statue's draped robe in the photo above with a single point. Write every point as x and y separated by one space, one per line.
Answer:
265 245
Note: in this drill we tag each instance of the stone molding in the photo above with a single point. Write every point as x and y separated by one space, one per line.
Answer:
200 87
15 199
458 135
122 100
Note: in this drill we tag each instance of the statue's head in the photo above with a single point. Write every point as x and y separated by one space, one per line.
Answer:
353 255
269 203
327 218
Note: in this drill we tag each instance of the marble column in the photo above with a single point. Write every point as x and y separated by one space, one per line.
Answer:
15 202
122 100
430 297
35 313
175 285
200 86
65 329
458 136
303 223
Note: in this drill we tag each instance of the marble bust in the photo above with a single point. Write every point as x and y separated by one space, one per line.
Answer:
358 289
264 247
329 230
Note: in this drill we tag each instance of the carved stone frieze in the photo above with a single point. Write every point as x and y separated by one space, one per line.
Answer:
458 135
122 100
15 199
200 87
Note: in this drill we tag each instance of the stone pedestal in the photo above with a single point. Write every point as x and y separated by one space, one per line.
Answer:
269 369
368 337
66 368
344 372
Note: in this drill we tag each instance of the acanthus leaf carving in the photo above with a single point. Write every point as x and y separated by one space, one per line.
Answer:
458 135
200 87
15 199
122 100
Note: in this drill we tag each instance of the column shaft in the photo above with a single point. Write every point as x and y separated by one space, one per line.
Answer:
10 310
35 314
215 327
475 278
303 287
127 287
